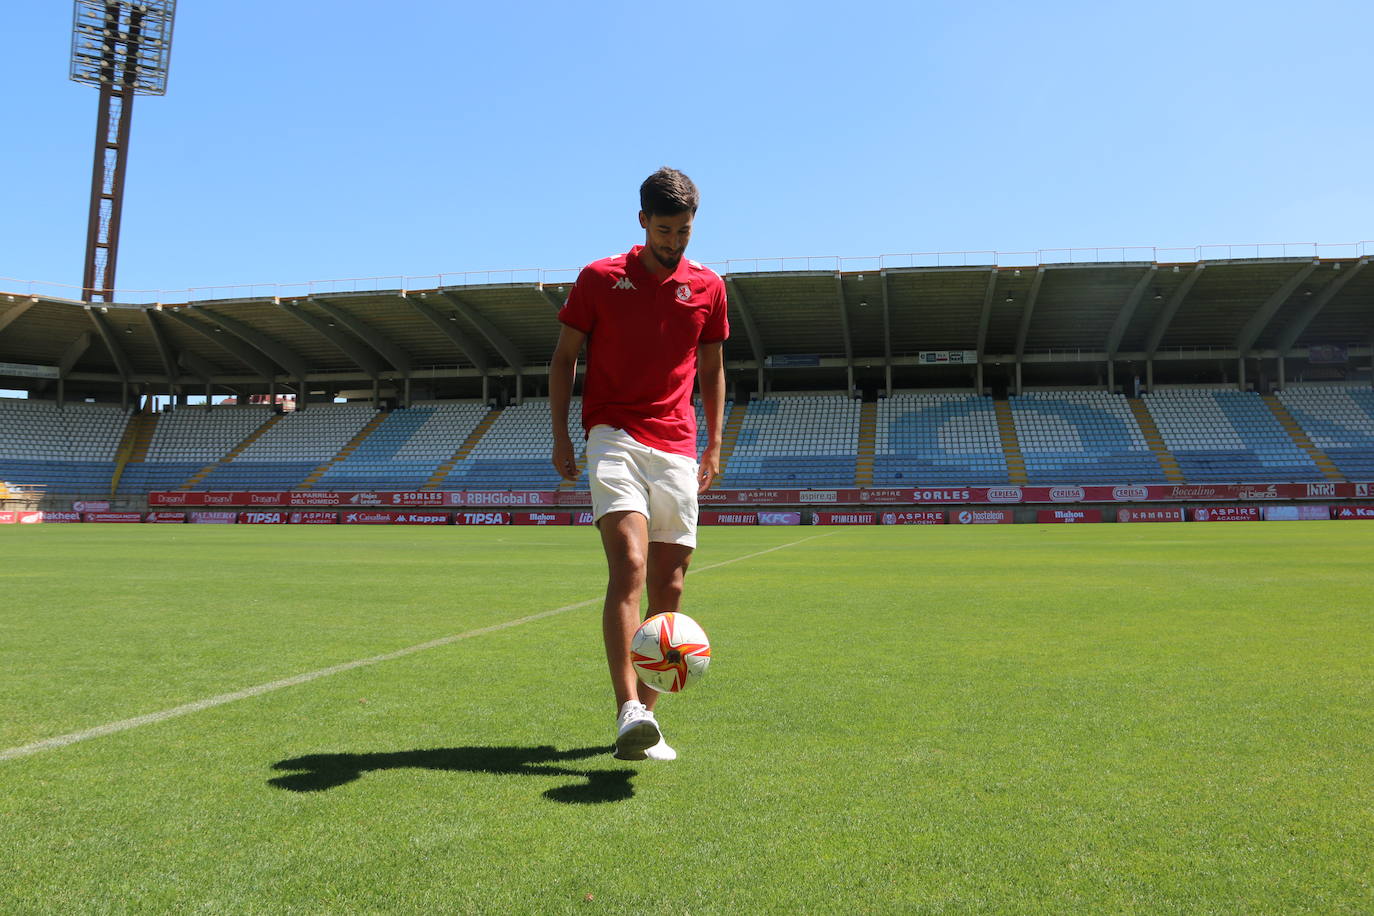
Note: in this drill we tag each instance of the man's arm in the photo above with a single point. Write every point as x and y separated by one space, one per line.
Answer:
711 376
562 371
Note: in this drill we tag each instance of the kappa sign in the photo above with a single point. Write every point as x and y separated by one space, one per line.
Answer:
1352 512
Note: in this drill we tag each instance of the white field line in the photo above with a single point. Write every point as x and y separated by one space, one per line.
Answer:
111 728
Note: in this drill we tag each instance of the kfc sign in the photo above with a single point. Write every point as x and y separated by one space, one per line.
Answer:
1150 515
779 518
1067 516
482 518
919 517
1227 514
983 517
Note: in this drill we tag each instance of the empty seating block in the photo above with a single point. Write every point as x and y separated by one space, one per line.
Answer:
515 452
68 449
1227 437
185 440
406 448
1082 437
290 449
1340 422
796 442
939 439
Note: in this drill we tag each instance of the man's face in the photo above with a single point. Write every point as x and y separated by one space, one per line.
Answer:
666 237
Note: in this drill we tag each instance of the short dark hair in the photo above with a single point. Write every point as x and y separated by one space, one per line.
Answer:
668 192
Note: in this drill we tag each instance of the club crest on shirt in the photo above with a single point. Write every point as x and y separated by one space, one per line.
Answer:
684 292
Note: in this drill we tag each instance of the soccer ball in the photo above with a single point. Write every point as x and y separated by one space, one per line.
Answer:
670 651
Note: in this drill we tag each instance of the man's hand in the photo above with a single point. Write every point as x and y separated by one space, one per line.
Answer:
708 469
564 459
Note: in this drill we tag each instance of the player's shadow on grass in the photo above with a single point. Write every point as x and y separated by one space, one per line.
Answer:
328 771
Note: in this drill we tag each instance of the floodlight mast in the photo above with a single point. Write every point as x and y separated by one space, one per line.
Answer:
122 47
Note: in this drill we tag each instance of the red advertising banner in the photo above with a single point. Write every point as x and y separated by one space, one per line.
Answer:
418 499
716 517
262 518
778 517
311 498
9 518
917 517
1067 516
91 506
171 499
260 498
1172 514
119 518
365 517
504 498
578 498
1227 514
481 518
30 518
421 518
582 518
214 518
541 518
314 518
59 517
165 518
1308 513
1344 512
844 518
982 517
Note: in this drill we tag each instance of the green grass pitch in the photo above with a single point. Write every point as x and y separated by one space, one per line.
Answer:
1023 719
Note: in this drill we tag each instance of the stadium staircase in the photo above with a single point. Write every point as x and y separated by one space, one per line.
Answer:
133 447
730 435
868 425
344 452
233 453
442 471
1156 442
1300 438
1006 428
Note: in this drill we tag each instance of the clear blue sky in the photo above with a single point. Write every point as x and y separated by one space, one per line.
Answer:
307 141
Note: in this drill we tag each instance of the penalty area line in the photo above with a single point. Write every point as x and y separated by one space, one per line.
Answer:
151 718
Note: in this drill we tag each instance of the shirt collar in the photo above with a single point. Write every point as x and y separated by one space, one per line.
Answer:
682 274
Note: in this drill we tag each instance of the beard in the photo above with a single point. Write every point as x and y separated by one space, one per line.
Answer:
669 259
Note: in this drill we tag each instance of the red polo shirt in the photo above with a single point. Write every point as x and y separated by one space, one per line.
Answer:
642 339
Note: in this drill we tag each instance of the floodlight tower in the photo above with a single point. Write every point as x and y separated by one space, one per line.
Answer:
122 47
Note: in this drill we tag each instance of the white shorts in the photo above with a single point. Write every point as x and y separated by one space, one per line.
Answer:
627 476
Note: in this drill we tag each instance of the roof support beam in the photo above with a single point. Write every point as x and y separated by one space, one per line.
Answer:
1265 313
554 298
449 328
985 318
164 349
371 336
844 330
1127 312
196 366
1166 315
488 330
750 330
107 334
274 350
887 333
345 344
253 359
1293 330
75 350
12 315
1024 331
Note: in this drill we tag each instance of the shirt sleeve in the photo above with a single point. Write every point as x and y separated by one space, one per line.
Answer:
717 327
579 311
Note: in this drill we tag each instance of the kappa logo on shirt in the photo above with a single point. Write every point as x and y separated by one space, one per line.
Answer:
623 283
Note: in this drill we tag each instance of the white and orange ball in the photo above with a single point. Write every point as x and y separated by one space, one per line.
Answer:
670 652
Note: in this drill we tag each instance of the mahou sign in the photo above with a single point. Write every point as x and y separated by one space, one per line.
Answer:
1067 516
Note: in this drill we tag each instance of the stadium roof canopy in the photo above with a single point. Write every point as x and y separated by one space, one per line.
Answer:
924 326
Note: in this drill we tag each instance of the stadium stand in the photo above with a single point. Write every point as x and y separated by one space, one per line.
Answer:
938 438
515 452
185 440
1227 436
287 452
1082 437
405 450
796 441
1340 422
69 449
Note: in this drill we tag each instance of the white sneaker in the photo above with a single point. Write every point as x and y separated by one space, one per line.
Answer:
660 751
636 731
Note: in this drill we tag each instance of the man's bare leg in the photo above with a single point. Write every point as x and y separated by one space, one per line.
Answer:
625 538
667 568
